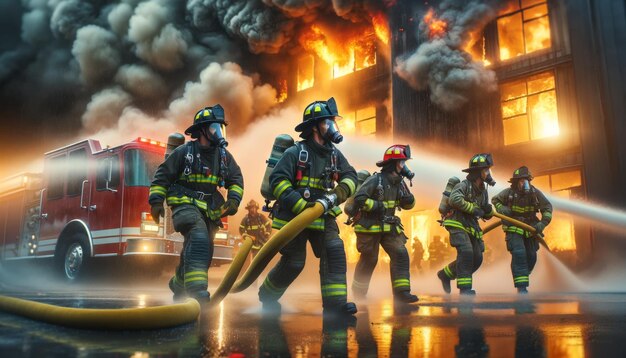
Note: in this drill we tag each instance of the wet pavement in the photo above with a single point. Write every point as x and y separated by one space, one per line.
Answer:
552 325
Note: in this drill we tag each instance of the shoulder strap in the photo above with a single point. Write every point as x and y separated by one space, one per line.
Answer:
303 160
189 159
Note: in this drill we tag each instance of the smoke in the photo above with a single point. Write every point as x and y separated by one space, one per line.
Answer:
441 63
96 53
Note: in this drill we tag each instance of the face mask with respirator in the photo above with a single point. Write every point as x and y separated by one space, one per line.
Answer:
332 134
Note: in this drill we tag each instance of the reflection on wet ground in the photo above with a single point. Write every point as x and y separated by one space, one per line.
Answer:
552 325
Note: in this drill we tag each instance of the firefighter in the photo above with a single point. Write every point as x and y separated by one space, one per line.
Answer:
522 201
312 170
188 180
256 225
418 254
436 252
469 202
378 225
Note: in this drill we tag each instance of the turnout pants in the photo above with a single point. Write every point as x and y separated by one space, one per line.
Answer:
523 257
469 257
195 258
394 246
328 247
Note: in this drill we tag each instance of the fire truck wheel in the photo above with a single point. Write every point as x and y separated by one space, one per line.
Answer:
73 258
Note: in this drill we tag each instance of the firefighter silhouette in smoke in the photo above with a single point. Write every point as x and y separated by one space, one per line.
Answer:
436 252
378 198
418 254
310 170
256 225
522 201
469 202
188 180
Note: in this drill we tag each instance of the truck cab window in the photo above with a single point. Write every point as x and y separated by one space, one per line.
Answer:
56 180
77 171
140 166
103 171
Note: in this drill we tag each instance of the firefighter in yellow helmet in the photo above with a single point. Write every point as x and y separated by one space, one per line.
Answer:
256 225
469 201
522 201
378 198
188 179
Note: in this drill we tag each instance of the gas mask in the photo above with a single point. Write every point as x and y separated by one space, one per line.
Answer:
332 133
489 179
526 186
407 173
216 134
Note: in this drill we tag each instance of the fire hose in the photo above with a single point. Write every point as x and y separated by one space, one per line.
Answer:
168 315
520 224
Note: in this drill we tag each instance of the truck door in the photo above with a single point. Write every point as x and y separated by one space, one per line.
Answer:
105 207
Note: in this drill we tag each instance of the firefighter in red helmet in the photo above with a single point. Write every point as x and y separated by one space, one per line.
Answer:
377 225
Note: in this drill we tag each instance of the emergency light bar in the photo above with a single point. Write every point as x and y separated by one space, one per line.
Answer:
150 141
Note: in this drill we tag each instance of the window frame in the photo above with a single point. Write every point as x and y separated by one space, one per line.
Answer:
116 165
74 170
521 10
57 177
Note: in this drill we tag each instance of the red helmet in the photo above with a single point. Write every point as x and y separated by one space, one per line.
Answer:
395 152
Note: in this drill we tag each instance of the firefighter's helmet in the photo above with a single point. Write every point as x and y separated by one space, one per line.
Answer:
252 204
521 173
395 152
316 111
206 116
479 161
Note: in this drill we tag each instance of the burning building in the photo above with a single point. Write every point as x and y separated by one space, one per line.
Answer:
536 82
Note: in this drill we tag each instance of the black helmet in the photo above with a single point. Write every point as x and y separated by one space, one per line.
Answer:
521 173
479 161
205 116
316 111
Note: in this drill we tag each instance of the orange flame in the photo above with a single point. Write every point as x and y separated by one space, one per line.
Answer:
282 91
436 27
381 28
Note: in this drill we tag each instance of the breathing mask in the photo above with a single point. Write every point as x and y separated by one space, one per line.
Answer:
216 134
332 132
526 186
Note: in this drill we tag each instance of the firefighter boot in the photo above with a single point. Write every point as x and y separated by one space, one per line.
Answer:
203 297
405 297
467 292
177 290
271 307
522 290
346 309
445 281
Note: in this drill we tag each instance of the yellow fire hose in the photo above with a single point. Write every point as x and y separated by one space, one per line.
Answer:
275 243
233 271
491 226
105 319
522 225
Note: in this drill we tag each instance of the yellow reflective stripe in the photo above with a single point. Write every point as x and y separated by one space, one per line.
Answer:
281 187
521 279
157 189
514 229
401 282
196 273
335 293
458 225
369 205
390 204
299 206
200 178
270 286
448 272
546 214
523 209
318 224
314 183
194 279
336 211
372 229
334 285
237 189
350 183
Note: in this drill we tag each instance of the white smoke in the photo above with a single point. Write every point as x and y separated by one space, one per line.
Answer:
96 51
105 108
441 64
141 81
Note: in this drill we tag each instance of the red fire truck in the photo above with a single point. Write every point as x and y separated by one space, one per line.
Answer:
90 203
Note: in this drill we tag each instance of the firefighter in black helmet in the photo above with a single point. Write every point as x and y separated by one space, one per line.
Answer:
378 198
188 180
313 169
470 202
522 201
256 225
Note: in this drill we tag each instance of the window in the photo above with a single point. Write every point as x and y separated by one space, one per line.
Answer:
523 28
56 181
77 171
306 71
529 109
140 166
103 171
361 54
361 122
559 234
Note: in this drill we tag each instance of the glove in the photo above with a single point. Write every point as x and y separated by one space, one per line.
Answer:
478 212
488 209
230 207
505 210
157 211
309 204
341 192
406 200
539 227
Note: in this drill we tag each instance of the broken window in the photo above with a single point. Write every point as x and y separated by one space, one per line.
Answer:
529 109
523 28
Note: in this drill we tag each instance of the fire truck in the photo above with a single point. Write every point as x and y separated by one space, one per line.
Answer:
91 203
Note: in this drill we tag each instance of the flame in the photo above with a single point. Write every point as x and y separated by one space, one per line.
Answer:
381 28
306 77
436 27
282 91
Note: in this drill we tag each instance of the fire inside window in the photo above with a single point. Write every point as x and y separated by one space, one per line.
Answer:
559 234
523 28
361 122
529 109
361 54
306 72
